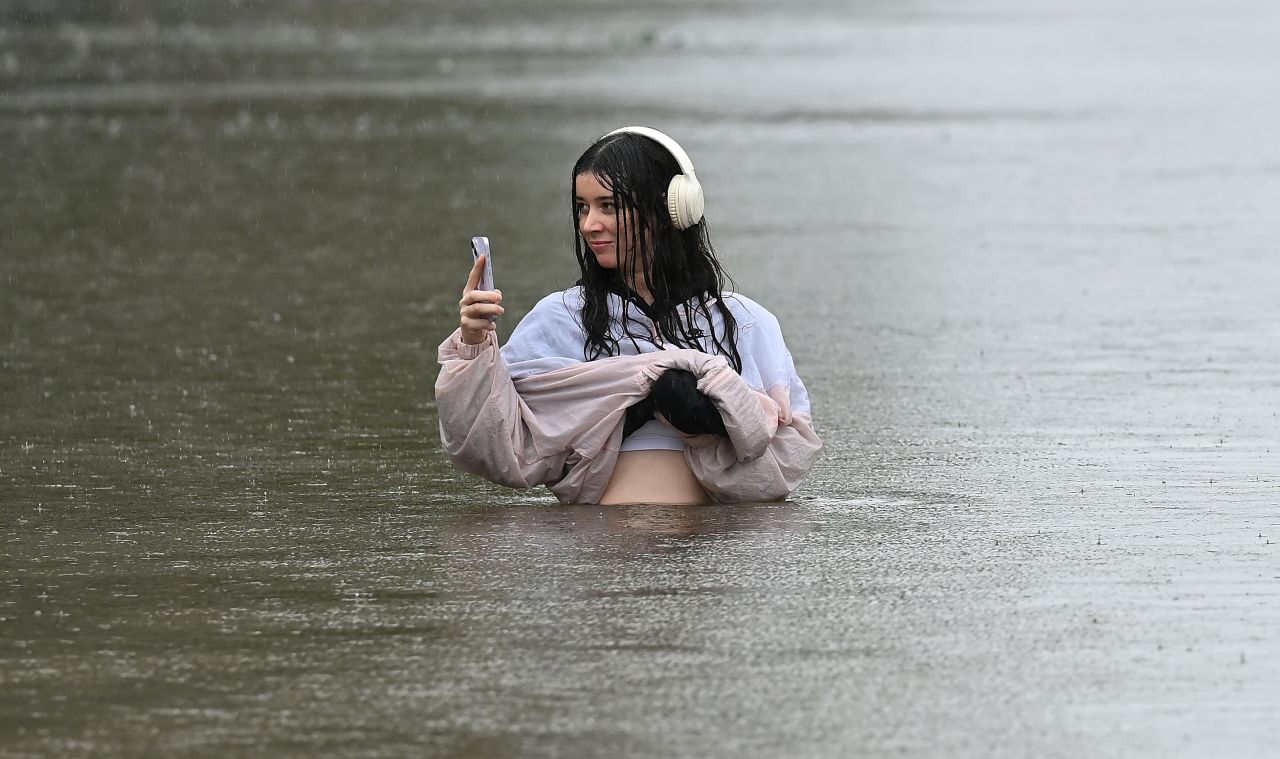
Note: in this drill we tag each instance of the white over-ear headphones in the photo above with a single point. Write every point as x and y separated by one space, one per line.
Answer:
684 195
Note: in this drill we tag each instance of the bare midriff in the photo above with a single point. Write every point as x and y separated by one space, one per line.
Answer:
656 476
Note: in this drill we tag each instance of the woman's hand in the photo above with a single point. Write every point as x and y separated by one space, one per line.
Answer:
477 306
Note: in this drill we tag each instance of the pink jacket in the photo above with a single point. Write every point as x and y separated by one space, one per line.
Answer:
563 428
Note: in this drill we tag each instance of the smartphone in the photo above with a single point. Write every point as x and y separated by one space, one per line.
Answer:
480 247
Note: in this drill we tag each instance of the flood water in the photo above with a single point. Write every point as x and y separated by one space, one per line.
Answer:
1024 255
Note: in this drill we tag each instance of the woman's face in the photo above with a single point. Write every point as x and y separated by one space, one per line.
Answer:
600 222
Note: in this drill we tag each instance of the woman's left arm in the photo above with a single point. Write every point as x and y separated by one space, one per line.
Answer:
763 458
771 443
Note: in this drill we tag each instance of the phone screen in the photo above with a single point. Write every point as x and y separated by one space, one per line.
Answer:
480 247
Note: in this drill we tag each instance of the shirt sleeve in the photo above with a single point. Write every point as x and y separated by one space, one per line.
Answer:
767 364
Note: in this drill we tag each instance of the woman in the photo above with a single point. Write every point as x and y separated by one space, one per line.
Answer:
647 381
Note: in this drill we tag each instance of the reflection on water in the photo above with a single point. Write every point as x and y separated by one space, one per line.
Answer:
1019 255
618 531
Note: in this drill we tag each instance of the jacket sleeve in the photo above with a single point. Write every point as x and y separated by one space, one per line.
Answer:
762 459
484 424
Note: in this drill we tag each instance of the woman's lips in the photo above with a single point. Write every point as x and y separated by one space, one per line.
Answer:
600 245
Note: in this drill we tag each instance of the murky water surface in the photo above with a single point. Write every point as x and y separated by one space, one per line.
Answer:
1024 254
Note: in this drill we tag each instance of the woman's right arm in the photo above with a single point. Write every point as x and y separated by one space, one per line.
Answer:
483 421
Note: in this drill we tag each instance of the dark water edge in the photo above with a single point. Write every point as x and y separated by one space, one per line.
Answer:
1023 256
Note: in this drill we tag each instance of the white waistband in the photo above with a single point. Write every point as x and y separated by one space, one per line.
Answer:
654 435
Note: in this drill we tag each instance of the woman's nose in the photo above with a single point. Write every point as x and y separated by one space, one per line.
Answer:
591 221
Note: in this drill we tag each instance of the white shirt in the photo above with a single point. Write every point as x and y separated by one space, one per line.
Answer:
552 337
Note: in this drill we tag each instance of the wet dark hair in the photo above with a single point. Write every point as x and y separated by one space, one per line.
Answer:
679 265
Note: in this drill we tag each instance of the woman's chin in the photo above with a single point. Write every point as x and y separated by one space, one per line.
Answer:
607 260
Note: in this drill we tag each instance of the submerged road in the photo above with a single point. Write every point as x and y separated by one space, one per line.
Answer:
1023 253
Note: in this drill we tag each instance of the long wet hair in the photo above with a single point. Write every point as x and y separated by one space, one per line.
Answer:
679 265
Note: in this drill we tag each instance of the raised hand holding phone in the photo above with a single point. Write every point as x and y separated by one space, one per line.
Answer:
481 303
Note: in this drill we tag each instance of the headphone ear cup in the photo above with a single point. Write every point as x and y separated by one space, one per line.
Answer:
685 202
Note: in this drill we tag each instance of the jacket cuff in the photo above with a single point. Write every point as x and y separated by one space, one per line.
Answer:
751 426
468 352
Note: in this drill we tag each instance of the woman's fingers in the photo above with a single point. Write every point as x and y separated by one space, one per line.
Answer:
474 326
477 311
477 270
480 298
480 310
475 329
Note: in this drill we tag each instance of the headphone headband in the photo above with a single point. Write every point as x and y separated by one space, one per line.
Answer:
663 139
684 195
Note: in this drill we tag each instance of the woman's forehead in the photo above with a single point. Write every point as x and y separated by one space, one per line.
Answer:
588 182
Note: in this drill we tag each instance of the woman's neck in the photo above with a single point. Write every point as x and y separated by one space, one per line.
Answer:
641 289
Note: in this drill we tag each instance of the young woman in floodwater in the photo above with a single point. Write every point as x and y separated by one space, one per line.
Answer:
646 382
